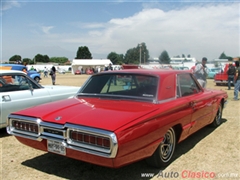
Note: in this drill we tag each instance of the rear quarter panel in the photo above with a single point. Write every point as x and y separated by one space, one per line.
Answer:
140 138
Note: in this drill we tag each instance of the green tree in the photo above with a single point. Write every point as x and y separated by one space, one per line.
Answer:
38 58
83 53
59 60
164 57
132 56
16 58
46 59
41 58
26 61
144 53
115 58
137 55
223 56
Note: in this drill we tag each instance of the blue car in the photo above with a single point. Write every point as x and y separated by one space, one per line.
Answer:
19 67
213 71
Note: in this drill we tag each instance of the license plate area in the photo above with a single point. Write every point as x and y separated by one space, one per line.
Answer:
56 147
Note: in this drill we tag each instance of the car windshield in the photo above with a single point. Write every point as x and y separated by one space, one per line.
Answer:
216 70
121 86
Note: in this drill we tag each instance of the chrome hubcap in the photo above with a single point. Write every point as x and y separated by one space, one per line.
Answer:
167 146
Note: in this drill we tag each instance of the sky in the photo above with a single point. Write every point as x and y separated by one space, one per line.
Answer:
58 28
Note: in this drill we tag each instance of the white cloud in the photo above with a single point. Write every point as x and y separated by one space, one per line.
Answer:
198 30
46 29
9 4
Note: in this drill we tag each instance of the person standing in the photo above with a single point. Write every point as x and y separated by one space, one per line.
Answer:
53 74
32 68
45 71
201 72
231 73
237 81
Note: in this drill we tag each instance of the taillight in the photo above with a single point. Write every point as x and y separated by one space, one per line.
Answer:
90 139
25 126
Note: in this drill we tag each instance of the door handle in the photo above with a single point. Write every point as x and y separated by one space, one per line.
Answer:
192 104
6 98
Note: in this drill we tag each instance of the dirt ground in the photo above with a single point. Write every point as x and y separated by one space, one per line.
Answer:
206 153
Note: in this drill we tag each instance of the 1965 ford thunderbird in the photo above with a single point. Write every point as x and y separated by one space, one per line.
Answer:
119 117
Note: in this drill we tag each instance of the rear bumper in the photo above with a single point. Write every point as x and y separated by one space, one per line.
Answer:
220 81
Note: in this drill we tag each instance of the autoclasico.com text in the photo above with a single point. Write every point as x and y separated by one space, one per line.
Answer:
187 174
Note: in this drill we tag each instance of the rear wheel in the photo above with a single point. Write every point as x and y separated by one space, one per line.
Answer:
163 154
37 79
218 118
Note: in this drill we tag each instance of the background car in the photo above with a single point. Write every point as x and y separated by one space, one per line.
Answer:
19 67
61 71
77 72
213 71
18 91
221 78
119 117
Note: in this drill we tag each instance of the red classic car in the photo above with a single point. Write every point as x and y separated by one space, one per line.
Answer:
221 78
119 117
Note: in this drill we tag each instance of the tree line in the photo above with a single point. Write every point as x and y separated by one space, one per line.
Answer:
135 55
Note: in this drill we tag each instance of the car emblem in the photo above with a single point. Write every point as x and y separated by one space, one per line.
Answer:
58 118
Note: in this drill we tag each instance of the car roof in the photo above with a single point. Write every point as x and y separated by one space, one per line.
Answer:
11 71
14 66
157 72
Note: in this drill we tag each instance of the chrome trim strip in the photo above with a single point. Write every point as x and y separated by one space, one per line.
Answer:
223 81
225 104
95 132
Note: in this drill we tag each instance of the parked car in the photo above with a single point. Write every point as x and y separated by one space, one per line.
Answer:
61 71
78 72
221 78
180 68
31 73
18 91
119 117
213 71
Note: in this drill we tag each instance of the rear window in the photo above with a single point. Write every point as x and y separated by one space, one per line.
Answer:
122 85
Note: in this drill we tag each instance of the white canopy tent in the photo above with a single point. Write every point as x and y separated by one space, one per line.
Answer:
83 64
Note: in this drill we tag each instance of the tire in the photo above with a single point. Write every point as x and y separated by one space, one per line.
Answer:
218 118
37 79
163 155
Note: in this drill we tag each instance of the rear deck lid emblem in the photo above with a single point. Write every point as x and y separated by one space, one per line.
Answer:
58 118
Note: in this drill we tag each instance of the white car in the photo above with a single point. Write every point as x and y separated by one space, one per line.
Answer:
61 71
18 91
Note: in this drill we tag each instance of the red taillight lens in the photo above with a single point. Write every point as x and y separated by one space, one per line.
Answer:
90 139
99 141
106 143
25 126
86 138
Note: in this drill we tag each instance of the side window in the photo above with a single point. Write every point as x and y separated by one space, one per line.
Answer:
186 85
14 83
